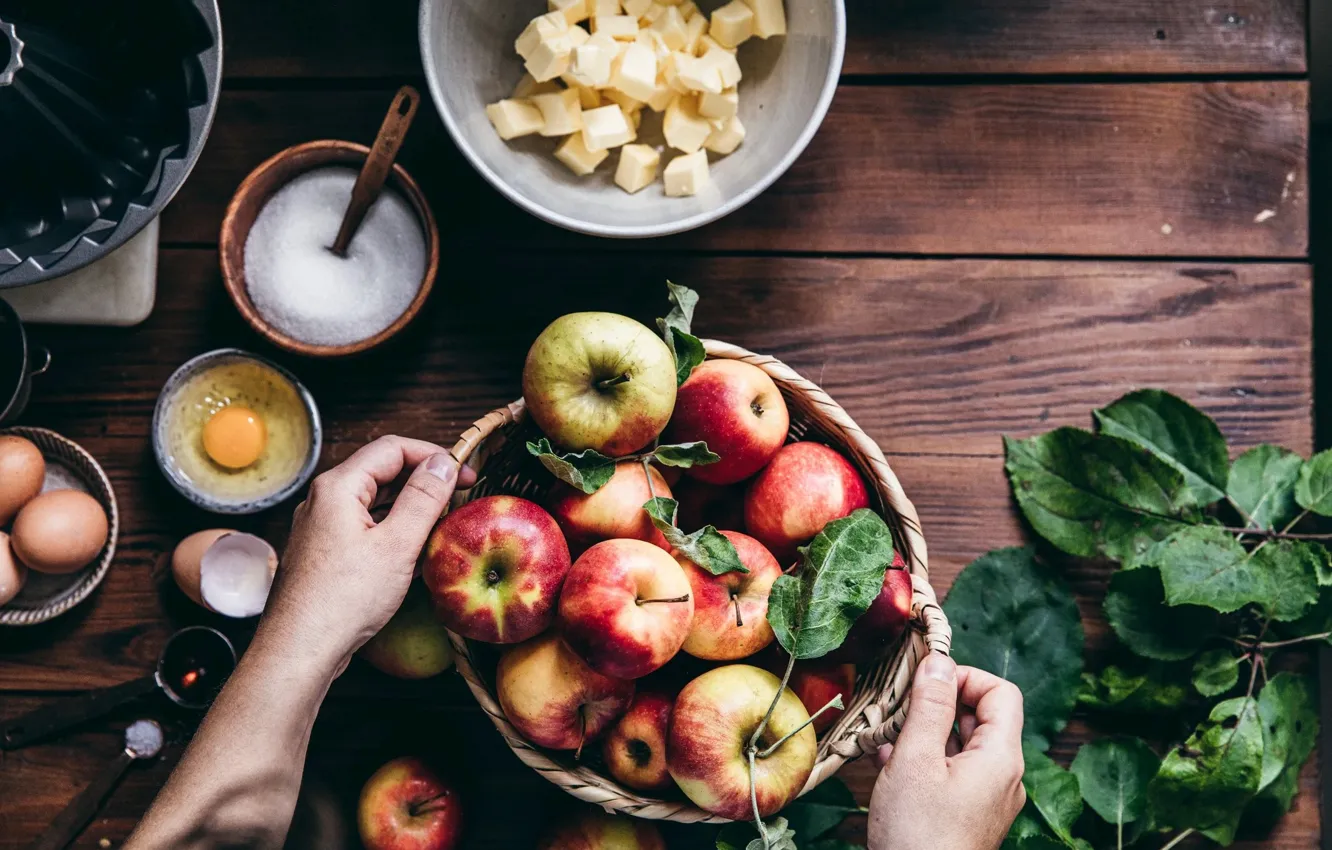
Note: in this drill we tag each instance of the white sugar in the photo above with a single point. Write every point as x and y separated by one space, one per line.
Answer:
299 286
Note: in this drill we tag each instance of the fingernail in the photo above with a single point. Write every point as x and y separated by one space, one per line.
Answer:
442 466
938 666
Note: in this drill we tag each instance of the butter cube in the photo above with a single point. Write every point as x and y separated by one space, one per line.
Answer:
689 10
578 35
695 28
605 7
514 118
670 25
621 99
687 175
573 10
721 106
620 27
662 95
528 86
637 8
541 28
550 58
732 24
561 111
726 65
635 72
684 129
588 98
769 17
728 138
635 118
606 127
670 2
697 74
654 11
577 157
638 167
707 43
592 62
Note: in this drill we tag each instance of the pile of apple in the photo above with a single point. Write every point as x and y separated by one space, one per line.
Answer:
597 589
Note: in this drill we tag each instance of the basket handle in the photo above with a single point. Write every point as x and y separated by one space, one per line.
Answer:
473 437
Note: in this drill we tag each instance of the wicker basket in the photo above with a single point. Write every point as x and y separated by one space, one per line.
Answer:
495 444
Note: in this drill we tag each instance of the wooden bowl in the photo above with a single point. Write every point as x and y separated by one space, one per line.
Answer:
262 184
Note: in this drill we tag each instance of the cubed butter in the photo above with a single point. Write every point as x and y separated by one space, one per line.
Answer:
707 43
606 127
606 7
541 28
732 24
769 17
573 10
561 112
661 95
695 28
550 58
635 72
637 8
578 35
698 74
654 11
635 118
684 129
689 10
588 98
591 64
670 25
581 161
728 138
687 174
722 105
621 99
726 65
638 167
514 118
620 27
527 87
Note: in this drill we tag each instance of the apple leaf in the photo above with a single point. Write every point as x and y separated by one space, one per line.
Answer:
1215 672
1262 485
706 547
822 810
1289 716
1053 791
1113 774
587 470
1204 783
1030 633
1027 824
742 835
1206 565
685 455
675 329
1136 608
841 574
1155 689
1176 432
1313 491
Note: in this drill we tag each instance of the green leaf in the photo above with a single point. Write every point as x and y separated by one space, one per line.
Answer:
685 455
1215 672
1153 690
1093 494
1017 619
833 844
1316 621
1262 485
735 835
686 348
1176 432
1272 802
1041 842
822 810
706 547
1205 565
1313 491
742 835
1135 607
1203 783
1053 791
840 575
1289 717
1113 774
587 470
1028 824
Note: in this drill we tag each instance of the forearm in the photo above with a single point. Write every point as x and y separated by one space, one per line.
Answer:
237 783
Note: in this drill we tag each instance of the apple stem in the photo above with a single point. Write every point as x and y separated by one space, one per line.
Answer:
622 378
835 702
684 598
419 808
753 799
739 623
582 733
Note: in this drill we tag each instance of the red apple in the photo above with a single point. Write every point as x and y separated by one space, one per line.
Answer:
738 411
714 718
805 487
553 698
886 618
613 512
407 806
635 747
625 608
720 506
731 610
593 829
817 682
494 567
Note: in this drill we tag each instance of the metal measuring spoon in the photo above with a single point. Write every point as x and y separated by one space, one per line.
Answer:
192 668
143 740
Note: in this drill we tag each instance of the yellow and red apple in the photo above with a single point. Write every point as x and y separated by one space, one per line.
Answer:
406 805
593 829
738 411
625 608
817 683
885 620
494 568
553 698
805 487
414 643
613 512
731 610
635 747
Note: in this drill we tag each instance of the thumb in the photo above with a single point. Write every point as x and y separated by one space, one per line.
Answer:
929 718
421 502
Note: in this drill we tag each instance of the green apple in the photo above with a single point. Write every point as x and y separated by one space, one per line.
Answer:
599 381
414 644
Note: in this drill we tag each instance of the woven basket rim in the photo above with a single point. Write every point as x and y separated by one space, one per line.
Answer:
874 715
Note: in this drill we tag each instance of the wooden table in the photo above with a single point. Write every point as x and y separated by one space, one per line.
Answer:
1015 212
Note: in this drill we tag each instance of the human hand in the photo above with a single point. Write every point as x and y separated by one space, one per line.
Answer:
343 575
941 788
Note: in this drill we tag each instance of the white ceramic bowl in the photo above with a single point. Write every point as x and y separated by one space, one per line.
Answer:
789 81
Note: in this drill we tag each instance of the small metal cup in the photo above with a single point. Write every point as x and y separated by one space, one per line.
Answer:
19 363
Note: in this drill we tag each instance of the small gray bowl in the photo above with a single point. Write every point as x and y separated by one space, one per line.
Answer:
467 49
182 484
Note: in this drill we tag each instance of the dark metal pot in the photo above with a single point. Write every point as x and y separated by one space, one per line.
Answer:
19 363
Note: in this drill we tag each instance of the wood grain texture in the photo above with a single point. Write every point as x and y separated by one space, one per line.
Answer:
883 37
1188 169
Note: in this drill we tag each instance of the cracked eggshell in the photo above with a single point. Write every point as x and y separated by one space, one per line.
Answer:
228 572
12 573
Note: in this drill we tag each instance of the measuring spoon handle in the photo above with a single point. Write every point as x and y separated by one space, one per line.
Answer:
69 823
58 716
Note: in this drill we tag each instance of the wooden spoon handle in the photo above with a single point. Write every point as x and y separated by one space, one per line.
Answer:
378 164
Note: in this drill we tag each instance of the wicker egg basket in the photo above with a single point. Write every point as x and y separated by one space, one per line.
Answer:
495 446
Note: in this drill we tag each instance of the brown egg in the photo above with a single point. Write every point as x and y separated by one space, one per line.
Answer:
60 531
22 469
186 559
12 573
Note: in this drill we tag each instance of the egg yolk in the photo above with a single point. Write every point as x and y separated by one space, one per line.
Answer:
234 437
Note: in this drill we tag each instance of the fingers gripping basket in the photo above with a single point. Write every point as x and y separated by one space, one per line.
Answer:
495 445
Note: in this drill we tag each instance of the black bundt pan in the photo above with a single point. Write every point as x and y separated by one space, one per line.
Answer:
104 108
